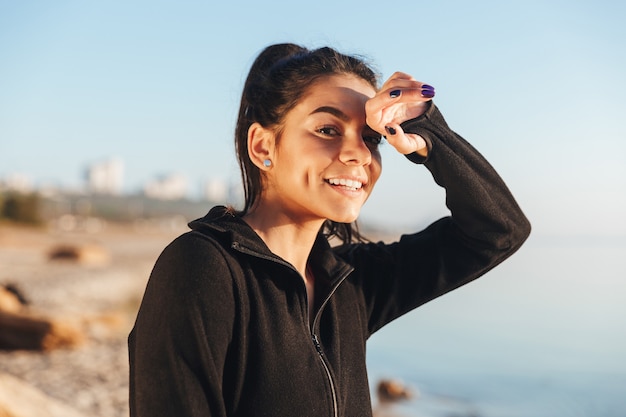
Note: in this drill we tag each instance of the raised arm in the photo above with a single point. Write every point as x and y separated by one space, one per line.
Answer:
485 227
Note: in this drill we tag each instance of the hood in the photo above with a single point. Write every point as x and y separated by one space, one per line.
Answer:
233 232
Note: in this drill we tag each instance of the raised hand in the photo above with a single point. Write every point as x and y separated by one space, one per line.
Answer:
401 98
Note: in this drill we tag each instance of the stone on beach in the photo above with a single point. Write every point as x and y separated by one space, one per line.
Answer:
391 390
88 254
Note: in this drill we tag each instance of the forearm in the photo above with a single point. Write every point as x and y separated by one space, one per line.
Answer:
486 227
482 207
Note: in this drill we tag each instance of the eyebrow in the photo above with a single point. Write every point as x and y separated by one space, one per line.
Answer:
339 114
332 110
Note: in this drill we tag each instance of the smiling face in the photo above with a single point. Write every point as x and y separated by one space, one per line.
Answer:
326 161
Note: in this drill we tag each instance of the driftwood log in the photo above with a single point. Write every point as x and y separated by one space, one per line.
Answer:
22 329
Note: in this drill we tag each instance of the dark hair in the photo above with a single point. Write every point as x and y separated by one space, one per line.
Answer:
277 80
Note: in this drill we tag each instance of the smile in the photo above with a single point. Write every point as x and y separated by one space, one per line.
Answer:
351 185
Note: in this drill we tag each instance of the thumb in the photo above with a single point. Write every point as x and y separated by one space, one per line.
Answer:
405 143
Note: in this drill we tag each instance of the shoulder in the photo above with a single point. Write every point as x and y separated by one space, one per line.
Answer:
194 249
191 291
193 264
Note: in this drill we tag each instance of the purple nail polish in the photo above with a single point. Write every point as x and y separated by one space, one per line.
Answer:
390 130
426 86
428 93
395 93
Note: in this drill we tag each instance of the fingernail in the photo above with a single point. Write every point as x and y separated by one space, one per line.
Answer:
390 130
428 91
395 93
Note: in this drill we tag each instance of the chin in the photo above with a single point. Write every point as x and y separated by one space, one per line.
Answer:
345 218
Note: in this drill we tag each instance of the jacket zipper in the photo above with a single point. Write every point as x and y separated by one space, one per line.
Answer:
318 345
333 392
314 338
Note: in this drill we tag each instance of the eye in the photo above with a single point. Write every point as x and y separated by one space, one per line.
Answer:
373 139
328 131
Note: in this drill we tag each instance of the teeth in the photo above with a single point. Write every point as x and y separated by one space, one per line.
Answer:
355 185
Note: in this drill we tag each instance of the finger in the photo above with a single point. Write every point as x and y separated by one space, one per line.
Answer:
397 76
398 96
388 94
405 143
400 85
397 138
413 90
421 146
402 101
400 74
392 130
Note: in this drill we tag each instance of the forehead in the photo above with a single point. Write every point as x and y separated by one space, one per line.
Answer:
343 90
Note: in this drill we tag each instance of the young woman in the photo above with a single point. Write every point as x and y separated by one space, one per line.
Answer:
253 313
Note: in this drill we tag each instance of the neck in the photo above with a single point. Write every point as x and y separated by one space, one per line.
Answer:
292 241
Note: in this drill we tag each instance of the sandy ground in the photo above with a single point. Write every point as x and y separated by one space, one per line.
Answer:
100 293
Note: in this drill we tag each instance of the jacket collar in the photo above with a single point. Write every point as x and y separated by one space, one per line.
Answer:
232 231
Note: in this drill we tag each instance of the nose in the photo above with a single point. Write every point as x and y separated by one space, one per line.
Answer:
354 151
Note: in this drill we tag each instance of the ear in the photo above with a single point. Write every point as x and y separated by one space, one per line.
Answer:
260 145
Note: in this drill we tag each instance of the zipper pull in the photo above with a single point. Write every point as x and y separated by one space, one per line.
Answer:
317 344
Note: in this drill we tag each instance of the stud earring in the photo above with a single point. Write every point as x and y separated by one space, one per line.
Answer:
267 163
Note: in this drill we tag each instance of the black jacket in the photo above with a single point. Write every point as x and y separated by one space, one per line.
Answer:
223 329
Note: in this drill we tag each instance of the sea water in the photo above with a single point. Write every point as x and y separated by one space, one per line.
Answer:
541 335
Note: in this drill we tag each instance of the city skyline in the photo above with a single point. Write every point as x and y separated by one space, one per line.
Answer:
536 86
106 176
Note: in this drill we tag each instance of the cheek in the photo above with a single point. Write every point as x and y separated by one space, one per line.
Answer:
376 168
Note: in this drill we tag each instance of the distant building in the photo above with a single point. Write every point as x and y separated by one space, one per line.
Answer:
17 182
171 187
106 177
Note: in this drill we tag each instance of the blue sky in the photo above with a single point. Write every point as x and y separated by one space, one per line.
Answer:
539 87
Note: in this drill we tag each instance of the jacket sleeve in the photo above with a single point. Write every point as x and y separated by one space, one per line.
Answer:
179 344
485 227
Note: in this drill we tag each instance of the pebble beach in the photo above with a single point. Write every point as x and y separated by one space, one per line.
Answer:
91 280
98 293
